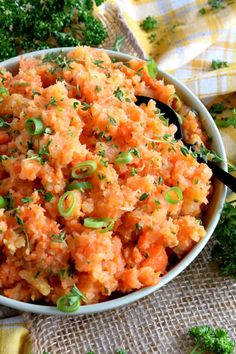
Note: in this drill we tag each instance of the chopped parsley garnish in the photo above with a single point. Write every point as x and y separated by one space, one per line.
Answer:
47 196
224 251
3 124
26 199
202 11
76 104
112 121
133 171
35 24
98 63
138 228
42 153
102 153
135 152
149 24
119 94
37 274
211 340
118 43
34 93
218 64
139 71
98 88
184 150
216 4
104 162
19 220
52 102
144 196
217 108
9 201
61 237
226 122
85 106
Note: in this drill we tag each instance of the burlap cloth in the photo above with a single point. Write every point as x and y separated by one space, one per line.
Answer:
156 324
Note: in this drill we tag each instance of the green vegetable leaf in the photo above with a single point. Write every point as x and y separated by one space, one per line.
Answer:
149 24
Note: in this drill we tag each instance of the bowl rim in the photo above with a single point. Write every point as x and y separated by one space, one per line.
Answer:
187 260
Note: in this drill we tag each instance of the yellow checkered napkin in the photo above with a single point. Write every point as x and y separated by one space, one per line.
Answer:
185 41
14 337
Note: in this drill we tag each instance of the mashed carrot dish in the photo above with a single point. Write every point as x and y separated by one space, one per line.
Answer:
96 194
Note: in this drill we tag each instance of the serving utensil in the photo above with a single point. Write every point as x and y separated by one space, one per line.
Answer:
223 176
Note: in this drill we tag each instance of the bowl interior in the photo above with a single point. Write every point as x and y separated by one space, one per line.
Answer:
211 216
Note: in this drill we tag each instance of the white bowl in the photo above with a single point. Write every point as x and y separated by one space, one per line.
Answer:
211 217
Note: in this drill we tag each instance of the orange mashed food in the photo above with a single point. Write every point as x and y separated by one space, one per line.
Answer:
86 103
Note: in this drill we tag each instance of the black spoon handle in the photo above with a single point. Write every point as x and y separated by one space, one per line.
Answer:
223 176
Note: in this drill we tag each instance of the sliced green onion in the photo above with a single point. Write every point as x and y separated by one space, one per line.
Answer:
170 199
179 102
87 168
2 202
79 185
60 206
123 158
106 224
34 126
71 301
152 68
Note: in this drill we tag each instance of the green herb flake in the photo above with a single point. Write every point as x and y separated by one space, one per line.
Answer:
202 11
144 196
217 108
118 43
133 171
184 150
52 102
98 89
119 94
19 220
112 121
98 63
26 199
85 106
218 64
61 237
149 24
135 152
138 228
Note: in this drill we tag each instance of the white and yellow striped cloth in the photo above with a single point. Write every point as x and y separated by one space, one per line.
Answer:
187 41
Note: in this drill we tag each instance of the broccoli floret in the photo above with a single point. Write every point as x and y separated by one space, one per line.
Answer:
149 24
215 341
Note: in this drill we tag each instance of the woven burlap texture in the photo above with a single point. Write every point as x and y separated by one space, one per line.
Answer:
156 324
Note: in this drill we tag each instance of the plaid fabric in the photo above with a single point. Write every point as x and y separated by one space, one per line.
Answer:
186 41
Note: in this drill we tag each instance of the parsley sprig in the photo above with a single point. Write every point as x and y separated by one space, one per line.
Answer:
224 251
